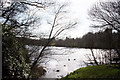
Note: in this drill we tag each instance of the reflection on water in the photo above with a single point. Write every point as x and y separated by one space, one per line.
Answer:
60 61
63 61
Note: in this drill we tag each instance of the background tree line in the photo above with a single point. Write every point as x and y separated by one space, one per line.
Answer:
101 40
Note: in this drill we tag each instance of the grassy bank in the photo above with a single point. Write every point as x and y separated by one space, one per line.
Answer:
100 71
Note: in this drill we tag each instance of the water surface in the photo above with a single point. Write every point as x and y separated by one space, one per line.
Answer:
64 60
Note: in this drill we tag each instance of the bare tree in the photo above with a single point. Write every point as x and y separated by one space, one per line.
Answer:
99 57
56 29
94 58
107 14
19 16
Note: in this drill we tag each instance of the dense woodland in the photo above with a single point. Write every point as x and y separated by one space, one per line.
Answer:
101 40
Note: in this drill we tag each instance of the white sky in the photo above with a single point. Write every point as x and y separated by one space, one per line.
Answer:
78 10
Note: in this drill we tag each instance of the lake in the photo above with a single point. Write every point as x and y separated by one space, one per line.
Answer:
63 60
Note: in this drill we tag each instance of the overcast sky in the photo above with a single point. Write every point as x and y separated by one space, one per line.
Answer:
79 11
80 8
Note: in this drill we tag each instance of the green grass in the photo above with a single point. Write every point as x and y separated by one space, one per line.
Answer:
100 71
